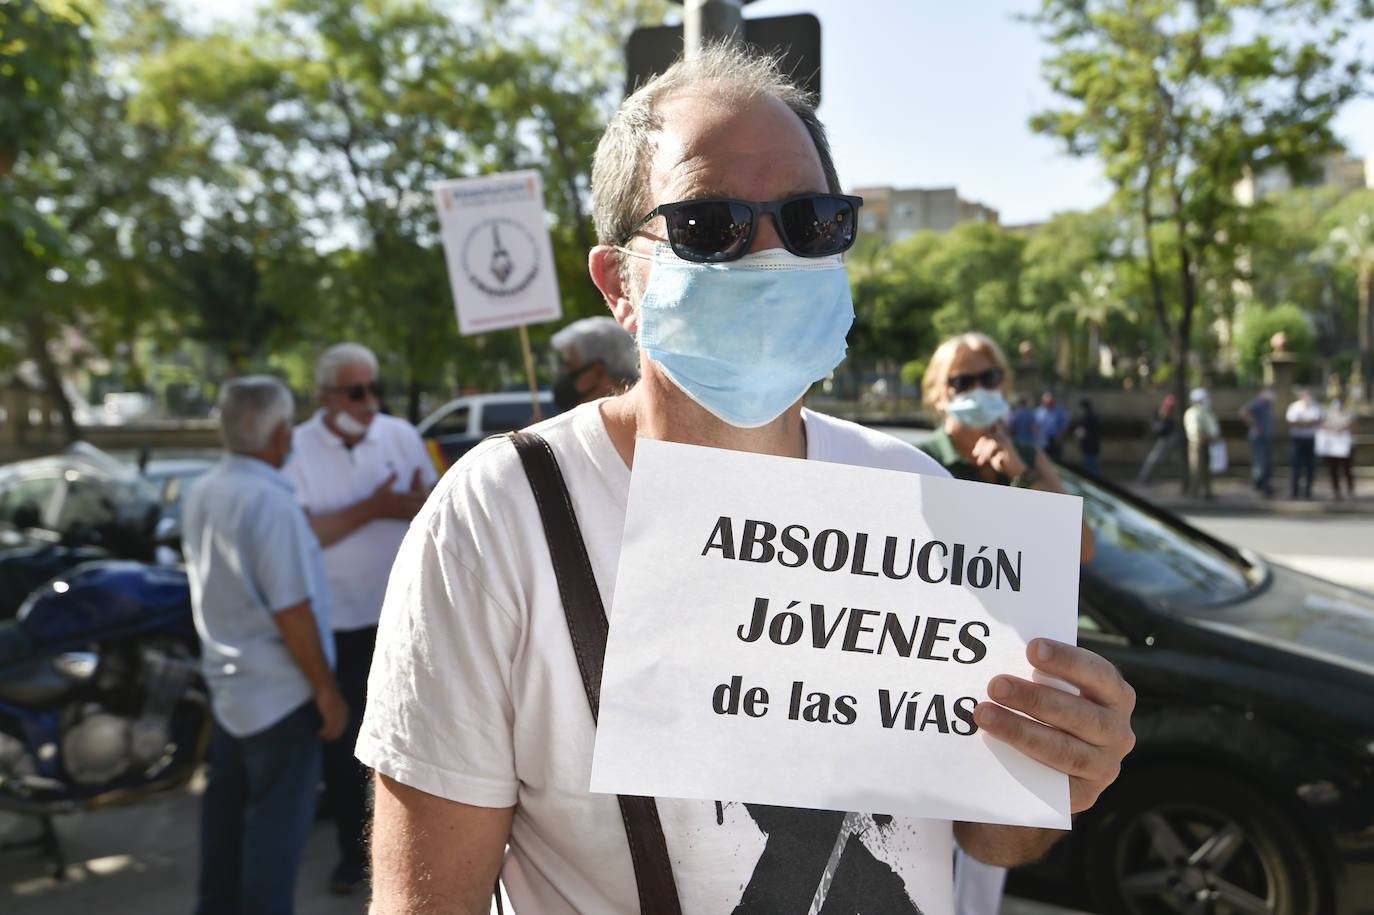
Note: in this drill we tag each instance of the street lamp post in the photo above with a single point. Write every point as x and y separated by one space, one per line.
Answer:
704 21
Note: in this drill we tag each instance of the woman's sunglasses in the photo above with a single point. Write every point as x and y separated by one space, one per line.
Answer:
719 229
987 378
358 392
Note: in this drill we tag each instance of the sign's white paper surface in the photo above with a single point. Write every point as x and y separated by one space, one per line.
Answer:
739 668
497 248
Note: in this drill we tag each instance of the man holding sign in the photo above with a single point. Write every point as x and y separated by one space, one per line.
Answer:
722 230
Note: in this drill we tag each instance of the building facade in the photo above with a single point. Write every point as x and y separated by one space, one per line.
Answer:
897 213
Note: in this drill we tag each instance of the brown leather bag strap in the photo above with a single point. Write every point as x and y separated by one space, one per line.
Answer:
587 626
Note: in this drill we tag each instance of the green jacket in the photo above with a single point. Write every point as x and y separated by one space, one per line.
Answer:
941 447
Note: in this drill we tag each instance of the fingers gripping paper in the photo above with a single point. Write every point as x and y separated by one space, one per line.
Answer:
817 635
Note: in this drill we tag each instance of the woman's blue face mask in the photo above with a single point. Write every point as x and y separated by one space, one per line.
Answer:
745 339
979 408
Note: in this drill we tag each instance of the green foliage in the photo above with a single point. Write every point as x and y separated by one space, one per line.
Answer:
914 371
349 113
1258 325
1179 101
42 45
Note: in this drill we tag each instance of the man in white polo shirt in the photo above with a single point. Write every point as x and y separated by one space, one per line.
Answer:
360 475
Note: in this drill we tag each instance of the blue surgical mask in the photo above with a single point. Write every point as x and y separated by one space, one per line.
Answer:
978 408
746 339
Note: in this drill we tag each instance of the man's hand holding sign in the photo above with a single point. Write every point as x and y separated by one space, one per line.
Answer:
816 635
1084 736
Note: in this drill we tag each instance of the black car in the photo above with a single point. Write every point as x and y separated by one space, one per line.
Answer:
1251 787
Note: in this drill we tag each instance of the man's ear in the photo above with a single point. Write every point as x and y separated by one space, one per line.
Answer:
604 265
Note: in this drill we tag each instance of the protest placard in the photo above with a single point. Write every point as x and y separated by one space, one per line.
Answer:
817 635
497 248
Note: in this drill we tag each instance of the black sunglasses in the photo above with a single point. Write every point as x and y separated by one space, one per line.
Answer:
988 378
714 230
358 392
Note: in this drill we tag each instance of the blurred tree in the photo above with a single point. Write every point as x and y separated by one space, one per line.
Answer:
1289 259
894 300
1073 280
1180 99
45 46
93 175
353 111
1283 262
1258 325
1351 240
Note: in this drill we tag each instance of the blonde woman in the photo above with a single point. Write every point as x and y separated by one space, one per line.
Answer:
965 384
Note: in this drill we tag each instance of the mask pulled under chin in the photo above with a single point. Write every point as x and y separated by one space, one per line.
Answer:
746 339
979 408
347 424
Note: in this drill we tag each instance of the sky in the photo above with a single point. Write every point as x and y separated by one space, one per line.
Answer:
933 93
939 93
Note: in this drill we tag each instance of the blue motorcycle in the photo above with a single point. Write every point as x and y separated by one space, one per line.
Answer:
101 699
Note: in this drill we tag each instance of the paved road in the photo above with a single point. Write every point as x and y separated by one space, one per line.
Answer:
1331 546
140 860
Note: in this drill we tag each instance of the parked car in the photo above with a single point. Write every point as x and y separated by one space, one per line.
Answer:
461 423
82 496
1251 786
85 497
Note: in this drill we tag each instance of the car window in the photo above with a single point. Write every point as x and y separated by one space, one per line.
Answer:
29 502
504 417
454 422
88 503
1145 555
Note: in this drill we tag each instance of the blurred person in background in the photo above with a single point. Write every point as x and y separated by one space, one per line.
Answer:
964 382
262 608
1304 417
360 475
597 358
1335 444
1022 421
1087 431
1201 428
1258 416
1162 428
1052 425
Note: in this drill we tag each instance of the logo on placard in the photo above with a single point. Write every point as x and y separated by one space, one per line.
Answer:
500 257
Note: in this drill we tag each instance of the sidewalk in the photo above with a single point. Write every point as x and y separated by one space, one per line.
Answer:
1233 494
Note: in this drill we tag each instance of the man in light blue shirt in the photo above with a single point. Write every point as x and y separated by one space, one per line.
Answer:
1052 422
262 607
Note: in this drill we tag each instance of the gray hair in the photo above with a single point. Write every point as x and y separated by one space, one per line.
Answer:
333 360
620 170
251 409
602 339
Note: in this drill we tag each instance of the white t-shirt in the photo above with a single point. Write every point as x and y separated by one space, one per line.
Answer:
475 696
1303 411
328 476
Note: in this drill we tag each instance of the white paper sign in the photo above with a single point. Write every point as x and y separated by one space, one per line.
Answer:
496 245
807 634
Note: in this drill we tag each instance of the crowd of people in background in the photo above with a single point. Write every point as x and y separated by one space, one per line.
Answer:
1317 435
